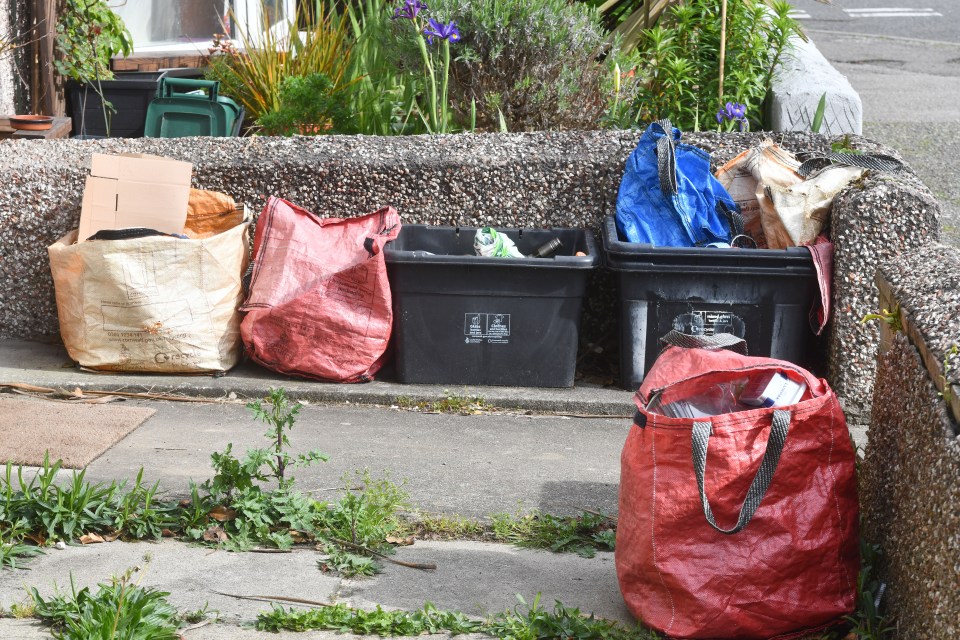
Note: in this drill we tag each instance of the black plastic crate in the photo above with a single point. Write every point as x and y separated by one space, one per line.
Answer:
761 295
130 93
460 318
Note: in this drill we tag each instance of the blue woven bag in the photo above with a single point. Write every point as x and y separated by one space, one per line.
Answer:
668 197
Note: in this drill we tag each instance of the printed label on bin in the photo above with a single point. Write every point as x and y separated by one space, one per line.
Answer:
489 328
709 323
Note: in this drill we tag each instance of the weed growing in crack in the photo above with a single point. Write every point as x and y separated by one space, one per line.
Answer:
120 608
444 527
867 623
584 534
451 403
347 564
526 622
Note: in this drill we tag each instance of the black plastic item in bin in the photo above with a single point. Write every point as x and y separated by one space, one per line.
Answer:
761 295
459 318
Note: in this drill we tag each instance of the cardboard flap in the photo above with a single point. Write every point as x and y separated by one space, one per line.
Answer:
135 190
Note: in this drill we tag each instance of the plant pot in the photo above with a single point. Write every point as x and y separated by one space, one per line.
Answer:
130 93
31 122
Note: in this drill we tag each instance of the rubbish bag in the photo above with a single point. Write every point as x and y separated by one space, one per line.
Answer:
669 197
742 524
210 213
785 203
319 304
491 243
157 304
747 178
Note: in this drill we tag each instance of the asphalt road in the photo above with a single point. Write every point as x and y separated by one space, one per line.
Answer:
903 58
919 19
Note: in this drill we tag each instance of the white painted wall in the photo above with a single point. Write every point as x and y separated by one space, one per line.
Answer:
6 63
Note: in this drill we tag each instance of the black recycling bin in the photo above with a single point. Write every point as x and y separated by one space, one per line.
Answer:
130 93
761 295
460 318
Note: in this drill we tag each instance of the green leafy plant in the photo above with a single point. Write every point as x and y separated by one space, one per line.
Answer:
89 34
12 548
867 623
140 514
248 513
450 403
309 106
584 534
432 38
382 96
525 65
367 513
532 621
818 114
844 145
444 527
280 418
947 393
681 79
119 610
525 622
56 512
347 564
253 75
339 617
891 318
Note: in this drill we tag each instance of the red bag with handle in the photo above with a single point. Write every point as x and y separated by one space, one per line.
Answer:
319 302
735 521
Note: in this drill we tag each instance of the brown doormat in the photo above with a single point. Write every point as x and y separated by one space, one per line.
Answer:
73 433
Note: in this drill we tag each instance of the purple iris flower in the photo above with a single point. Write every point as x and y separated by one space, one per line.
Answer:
733 111
442 31
410 9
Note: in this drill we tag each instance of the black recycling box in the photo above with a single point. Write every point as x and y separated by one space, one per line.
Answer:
761 295
460 318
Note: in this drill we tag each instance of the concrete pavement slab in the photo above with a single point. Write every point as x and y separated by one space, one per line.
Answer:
468 465
482 579
192 574
479 579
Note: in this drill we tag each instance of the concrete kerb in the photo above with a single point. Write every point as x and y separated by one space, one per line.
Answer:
42 365
794 97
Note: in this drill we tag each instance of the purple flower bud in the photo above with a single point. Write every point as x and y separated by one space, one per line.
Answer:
409 10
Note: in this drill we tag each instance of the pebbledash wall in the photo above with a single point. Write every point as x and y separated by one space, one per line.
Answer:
534 180
910 477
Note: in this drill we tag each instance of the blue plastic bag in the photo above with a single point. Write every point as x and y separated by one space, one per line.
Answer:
668 197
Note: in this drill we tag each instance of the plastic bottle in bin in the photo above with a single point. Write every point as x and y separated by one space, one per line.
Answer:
548 249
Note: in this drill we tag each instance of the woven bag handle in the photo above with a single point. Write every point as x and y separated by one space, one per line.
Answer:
761 481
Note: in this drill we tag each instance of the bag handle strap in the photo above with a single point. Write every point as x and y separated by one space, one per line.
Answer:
714 343
761 481
876 162
667 159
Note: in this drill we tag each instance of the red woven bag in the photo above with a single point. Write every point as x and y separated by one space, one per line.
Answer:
740 525
319 304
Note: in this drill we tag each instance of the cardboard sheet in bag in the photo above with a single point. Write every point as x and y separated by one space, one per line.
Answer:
135 190
155 304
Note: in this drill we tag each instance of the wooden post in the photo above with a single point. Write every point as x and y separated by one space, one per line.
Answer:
723 48
47 89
